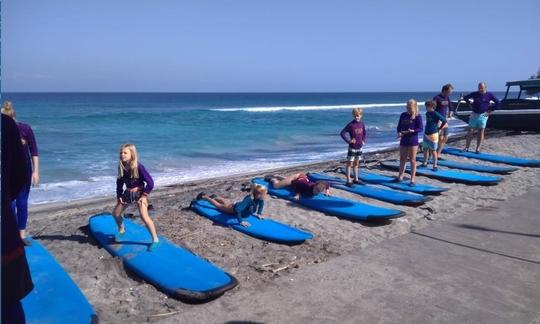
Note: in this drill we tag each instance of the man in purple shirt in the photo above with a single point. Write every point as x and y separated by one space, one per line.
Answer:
356 131
443 107
481 109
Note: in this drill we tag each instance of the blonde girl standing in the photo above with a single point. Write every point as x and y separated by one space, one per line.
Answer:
409 125
138 185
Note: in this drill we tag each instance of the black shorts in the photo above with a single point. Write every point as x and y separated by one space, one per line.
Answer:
129 197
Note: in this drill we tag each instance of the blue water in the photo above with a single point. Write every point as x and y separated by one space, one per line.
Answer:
183 137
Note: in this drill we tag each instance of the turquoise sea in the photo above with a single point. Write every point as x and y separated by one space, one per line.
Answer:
188 136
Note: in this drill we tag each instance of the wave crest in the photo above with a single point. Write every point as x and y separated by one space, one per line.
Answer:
304 108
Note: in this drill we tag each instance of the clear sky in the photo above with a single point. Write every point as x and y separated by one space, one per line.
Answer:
267 46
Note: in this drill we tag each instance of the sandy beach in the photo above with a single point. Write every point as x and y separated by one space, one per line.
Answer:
121 297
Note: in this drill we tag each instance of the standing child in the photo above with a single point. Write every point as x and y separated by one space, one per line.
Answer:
357 136
444 107
252 204
431 133
138 184
409 125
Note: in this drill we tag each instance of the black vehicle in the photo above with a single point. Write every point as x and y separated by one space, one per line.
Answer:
519 114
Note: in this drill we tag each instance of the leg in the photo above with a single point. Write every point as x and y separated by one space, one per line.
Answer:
117 214
479 139
402 161
348 171
469 137
442 142
426 158
412 154
222 204
20 205
142 203
435 158
356 163
222 200
285 182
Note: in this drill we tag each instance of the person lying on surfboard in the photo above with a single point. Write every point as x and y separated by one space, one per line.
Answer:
300 184
252 204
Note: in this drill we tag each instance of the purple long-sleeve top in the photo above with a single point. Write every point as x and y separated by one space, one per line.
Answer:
28 139
481 101
405 123
356 130
144 180
444 105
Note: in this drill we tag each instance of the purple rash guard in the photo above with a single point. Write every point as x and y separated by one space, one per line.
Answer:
303 186
356 130
406 123
481 101
144 177
444 106
29 141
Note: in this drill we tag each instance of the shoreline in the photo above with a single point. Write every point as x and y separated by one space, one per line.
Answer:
119 296
93 202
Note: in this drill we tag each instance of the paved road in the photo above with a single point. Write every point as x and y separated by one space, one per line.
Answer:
477 268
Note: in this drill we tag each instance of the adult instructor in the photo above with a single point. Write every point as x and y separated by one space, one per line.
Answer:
19 205
443 107
481 109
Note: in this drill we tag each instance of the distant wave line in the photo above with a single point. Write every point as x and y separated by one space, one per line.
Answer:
303 108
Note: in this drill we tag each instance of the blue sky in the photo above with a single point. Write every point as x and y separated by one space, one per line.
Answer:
236 46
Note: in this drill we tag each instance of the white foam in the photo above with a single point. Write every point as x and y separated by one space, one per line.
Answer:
304 108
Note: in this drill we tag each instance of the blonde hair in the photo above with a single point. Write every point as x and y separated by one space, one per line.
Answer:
133 164
412 103
258 188
7 109
357 111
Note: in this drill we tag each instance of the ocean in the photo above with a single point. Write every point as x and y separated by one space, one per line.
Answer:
182 137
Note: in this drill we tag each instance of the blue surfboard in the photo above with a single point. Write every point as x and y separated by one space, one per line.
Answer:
265 229
172 269
384 180
335 206
493 157
448 175
388 195
472 167
55 297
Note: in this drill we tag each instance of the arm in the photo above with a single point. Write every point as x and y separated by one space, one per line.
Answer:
239 207
260 207
32 146
363 133
35 172
345 131
418 127
441 119
146 177
496 101
119 187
